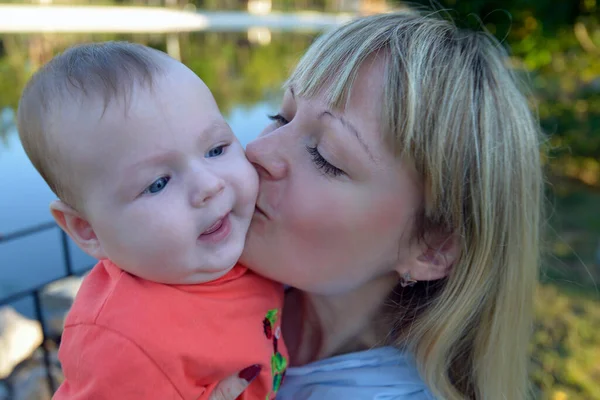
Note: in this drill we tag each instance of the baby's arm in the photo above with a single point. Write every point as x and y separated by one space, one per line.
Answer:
102 364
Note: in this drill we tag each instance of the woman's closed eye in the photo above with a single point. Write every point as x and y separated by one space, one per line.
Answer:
157 186
278 119
322 164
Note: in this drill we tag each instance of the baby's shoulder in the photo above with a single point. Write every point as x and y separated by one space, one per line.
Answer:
111 297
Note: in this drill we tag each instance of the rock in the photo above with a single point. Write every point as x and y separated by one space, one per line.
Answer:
29 380
57 298
19 337
31 384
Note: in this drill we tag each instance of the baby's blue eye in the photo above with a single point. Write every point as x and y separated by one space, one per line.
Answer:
216 151
157 185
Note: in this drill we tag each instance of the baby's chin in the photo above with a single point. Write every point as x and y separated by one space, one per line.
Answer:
201 277
186 276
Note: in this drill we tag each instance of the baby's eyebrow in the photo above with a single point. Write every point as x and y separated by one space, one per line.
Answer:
218 125
157 158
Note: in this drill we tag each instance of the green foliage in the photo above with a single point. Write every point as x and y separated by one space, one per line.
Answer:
572 238
558 44
565 348
239 72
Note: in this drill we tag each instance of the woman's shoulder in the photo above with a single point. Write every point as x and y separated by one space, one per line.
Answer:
381 373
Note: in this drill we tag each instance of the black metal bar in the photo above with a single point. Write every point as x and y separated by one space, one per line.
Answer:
40 318
28 292
27 231
35 291
66 252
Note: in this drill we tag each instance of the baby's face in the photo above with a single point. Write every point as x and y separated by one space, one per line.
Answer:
167 187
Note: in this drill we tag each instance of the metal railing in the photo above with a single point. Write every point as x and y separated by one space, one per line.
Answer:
36 290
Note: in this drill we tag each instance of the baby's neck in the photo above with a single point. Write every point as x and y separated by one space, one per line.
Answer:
321 326
189 279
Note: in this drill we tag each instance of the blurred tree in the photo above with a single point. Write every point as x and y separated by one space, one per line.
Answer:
558 44
566 346
238 71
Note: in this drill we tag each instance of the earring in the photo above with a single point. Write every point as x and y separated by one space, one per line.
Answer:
406 280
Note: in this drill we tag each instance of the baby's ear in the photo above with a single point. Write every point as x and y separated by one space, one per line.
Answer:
77 227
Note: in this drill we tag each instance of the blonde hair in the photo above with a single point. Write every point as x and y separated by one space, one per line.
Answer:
107 70
455 110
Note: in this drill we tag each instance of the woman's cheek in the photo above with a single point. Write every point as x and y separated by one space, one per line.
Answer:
317 213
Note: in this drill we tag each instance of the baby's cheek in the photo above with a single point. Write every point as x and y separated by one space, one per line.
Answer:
246 182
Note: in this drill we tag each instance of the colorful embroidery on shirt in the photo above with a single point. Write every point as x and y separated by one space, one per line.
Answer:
278 361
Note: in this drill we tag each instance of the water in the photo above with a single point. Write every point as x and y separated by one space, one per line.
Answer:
245 79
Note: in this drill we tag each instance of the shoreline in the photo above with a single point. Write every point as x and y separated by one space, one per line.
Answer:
128 19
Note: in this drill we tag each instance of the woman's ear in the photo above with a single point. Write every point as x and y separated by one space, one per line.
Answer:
78 228
435 257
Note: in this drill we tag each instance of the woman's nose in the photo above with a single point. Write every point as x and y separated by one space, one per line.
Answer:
267 154
207 186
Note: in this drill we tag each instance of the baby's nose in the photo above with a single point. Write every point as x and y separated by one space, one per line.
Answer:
208 186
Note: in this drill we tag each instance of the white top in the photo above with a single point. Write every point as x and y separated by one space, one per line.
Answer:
383 373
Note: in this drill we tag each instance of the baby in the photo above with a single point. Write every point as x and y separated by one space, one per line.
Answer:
152 182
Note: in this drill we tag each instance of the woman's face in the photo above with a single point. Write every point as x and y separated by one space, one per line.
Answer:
335 208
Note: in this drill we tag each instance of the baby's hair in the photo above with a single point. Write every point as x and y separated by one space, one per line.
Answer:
108 71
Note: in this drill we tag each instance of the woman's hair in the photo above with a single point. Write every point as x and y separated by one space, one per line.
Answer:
453 108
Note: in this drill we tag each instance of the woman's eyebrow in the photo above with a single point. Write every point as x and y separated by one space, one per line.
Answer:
351 128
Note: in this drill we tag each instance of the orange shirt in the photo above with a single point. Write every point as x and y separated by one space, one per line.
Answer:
129 338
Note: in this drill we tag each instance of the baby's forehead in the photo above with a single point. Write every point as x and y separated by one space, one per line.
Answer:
176 96
96 105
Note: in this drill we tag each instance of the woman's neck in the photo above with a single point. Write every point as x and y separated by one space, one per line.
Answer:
318 326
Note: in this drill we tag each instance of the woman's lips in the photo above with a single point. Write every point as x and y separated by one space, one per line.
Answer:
217 232
259 211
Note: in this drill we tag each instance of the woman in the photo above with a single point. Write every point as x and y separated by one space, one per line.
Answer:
400 195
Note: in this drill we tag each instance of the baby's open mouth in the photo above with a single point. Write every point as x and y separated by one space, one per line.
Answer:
215 227
217 232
